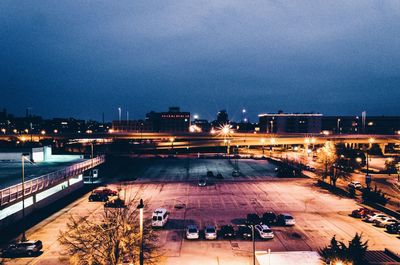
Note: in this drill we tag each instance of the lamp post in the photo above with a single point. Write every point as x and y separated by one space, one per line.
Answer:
368 178
23 157
91 153
140 207
272 141
172 139
262 145
254 244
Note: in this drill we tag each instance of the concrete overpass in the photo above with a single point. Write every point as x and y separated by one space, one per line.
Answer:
192 140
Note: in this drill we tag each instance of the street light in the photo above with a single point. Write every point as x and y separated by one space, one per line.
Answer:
368 178
23 157
140 207
172 139
262 143
272 141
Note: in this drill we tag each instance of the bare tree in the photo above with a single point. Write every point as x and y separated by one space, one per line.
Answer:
110 238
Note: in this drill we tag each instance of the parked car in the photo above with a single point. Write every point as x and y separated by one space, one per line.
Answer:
102 194
383 222
115 203
286 219
253 219
210 174
355 184
264 231
393 228
227 231
210 232
202 182
219 176
192 232
362 212
269 218
244 231
26 248
370 218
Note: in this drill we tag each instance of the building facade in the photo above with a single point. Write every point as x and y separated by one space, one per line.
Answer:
290 123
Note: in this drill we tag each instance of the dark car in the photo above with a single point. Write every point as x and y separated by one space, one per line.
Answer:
269 218
219 176
253 219
102 194
210 174
115 203
26 248
202 182
244 231
227 231
361 212
393 228
98 197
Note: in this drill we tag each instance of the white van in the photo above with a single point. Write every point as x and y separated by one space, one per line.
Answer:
160 217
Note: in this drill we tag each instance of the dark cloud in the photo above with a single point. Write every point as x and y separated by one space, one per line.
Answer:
82 58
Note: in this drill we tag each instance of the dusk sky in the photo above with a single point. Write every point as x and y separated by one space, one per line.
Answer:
82 58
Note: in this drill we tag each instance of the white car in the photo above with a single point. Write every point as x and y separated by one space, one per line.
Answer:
210 232
192 232
383 222
372 218
264 231
355 184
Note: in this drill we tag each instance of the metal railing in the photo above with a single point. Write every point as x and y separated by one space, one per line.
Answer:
14 193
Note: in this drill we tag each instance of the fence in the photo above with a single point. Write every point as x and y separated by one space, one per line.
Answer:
14 193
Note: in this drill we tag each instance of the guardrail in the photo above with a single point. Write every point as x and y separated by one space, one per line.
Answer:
14 193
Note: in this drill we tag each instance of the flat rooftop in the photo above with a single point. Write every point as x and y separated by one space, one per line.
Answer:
11 172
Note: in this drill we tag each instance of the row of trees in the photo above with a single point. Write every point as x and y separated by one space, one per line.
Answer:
338 252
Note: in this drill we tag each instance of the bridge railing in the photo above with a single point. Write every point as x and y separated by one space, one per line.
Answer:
13 193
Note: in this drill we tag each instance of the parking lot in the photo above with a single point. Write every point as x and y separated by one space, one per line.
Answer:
319 216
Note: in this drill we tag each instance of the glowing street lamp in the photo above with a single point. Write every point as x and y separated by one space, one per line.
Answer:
42 132
262 144
272 141
140 207
172 139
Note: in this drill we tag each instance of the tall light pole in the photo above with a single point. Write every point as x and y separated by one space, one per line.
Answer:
262 145
172 139
23 157
119 115
91 156
368 178
140 207
254 244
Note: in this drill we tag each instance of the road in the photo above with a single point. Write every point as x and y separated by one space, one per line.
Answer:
319 216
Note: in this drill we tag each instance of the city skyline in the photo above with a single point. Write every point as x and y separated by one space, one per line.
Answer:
80 60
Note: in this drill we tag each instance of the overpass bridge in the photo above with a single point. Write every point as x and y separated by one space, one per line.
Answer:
198 140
